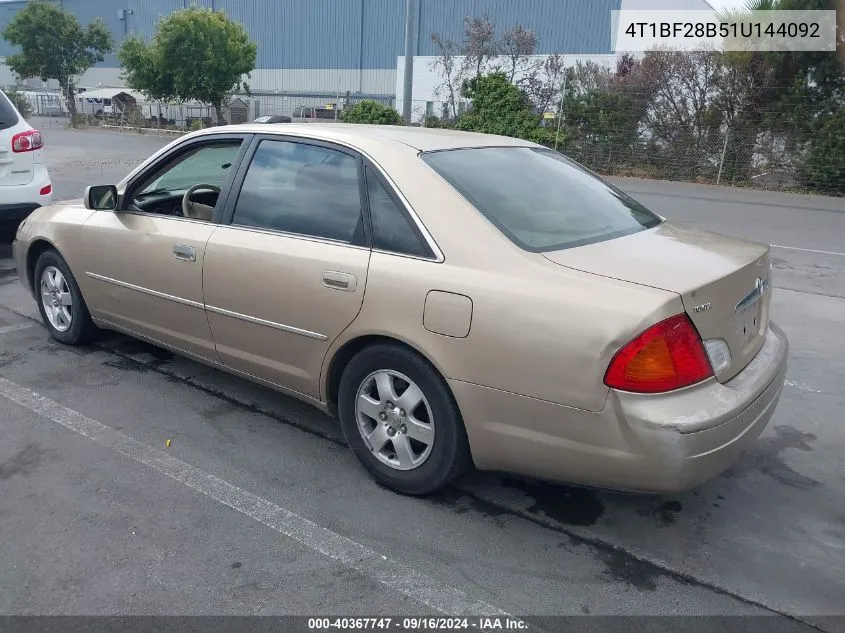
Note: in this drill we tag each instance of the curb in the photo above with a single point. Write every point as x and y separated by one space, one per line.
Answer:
142 131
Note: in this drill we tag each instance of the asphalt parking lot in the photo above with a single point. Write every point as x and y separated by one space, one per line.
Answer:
257 507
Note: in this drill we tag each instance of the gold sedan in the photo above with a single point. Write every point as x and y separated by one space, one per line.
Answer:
455 299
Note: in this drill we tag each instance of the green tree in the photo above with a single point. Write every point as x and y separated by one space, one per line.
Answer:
602 113
55 46
784 95
369 111
824 165
196 54
499 107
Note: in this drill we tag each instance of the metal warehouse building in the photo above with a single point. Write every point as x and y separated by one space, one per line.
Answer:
322 47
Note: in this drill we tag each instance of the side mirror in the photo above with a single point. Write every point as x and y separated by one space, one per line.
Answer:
101 198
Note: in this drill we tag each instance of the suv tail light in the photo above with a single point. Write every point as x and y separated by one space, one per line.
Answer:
28 141
667 356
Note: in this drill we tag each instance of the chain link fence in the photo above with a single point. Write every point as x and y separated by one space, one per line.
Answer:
304 107
782 151
775 151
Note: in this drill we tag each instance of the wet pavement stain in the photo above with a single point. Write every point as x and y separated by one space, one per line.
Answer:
622 567
8 358
133 347
765 456
220 410
55 349
215 417
664 513
24 461
127 364
461 503
565 504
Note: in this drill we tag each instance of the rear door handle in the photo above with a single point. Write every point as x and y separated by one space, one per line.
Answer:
185 253
339 281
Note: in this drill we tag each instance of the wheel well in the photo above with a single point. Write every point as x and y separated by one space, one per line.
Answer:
347 352
35 251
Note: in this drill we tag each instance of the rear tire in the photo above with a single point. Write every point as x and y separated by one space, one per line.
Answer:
415 451
60 301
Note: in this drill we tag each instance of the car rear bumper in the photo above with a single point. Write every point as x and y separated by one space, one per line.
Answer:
644 443
10 213
21 200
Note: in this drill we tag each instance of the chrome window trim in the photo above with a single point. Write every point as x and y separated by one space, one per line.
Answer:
152 214
325 240
438 254
435 248
430 260
295 236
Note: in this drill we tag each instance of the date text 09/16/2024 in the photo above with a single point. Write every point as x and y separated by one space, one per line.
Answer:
481 623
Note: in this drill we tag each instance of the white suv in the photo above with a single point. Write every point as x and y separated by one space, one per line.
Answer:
24 181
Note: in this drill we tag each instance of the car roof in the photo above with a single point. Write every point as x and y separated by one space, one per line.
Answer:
418 138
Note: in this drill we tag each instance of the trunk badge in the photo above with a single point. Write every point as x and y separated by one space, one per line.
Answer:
761 286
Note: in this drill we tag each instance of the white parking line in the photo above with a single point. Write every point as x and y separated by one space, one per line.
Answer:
17 326
807 250
398 576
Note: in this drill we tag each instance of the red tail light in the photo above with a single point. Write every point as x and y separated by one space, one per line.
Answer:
28 141
46 190
667 356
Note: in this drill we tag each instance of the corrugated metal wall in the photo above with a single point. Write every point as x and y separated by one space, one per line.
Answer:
358 34
7 12
561 26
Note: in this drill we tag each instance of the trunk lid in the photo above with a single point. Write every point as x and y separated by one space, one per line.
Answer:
724 282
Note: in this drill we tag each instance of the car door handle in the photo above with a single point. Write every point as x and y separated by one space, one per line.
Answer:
185 253
339 281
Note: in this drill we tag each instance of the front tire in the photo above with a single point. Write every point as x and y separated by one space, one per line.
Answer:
401 421
60 301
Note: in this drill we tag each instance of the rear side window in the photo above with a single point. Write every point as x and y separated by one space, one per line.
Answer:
539 199
8 115
304 189
392 228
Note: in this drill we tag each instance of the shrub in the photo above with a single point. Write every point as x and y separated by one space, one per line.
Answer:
196 125
824 165
499 107
136 119
433 121
371 112
20 101
79 120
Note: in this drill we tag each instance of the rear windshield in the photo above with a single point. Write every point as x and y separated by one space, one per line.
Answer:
539 199
8 115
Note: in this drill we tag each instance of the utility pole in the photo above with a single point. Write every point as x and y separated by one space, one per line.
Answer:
407 87
560 109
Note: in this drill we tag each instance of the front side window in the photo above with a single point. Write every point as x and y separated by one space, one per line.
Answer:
303 189
539 199
165 189
208 165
